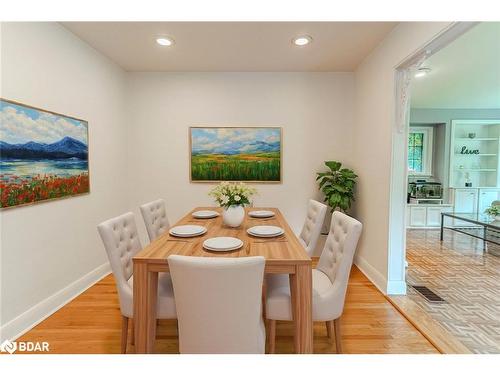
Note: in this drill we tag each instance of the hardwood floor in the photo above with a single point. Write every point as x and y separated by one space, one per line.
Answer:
91 323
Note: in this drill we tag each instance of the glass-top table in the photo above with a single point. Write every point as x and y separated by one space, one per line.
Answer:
477 225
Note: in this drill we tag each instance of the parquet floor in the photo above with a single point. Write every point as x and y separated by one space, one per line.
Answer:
91 324
467 278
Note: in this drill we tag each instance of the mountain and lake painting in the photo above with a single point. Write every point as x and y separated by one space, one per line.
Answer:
236 154
43 155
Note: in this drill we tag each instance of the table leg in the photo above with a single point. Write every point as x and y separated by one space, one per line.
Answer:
442 225
484 238
301 293
145 299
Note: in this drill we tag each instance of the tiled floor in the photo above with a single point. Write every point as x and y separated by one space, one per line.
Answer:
467 278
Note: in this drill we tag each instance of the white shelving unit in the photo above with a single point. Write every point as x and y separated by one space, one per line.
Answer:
474 150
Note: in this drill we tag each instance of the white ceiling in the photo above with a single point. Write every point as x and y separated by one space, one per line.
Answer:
233 46
465 74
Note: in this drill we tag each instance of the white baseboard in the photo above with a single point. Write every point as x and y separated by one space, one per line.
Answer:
30 318
372 274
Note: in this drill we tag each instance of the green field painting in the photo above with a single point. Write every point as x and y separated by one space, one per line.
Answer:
236 154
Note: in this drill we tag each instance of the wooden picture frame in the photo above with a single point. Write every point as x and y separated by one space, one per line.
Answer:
56 168
222 159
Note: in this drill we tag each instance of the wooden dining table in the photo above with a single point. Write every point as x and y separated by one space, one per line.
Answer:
283 254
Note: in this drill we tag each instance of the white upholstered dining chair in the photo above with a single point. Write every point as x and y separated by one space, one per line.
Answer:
311 230
329 281
218 303
155 217
121 242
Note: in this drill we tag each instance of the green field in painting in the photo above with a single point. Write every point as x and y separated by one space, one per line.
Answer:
242 167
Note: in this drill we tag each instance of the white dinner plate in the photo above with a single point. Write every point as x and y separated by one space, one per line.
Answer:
205 214
222 243
265 231
261 214
187 230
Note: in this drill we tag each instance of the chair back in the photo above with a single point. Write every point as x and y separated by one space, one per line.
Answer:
311 230
155 217
338 253
218 303
121 242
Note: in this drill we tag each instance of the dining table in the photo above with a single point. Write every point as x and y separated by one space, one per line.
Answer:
283 255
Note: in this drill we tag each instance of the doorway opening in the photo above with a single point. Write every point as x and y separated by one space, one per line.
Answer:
448 129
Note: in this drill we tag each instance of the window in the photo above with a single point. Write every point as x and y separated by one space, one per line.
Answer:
420 151
415 152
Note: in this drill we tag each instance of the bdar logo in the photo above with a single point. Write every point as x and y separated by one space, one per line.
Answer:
24 346
8 346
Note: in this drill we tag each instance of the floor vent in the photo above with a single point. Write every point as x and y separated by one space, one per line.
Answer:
428 294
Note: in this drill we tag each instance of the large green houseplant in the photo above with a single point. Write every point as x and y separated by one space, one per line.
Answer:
338 185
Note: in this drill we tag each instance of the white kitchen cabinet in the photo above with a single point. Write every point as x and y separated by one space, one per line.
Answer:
425 216
486 197
418 216
433 218
465 200
469 200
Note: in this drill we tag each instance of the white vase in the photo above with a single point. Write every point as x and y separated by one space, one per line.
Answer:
233 216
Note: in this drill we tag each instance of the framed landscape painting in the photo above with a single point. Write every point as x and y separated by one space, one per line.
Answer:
251 154
43 155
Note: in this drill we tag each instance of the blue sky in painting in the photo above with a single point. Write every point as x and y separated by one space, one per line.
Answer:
19 124
235 140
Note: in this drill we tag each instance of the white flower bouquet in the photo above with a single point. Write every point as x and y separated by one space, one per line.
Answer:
232 194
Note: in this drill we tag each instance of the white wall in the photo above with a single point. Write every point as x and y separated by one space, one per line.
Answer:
314 109
52 250
373 137
445 115
440 156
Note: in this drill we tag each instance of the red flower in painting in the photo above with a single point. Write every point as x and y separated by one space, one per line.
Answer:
16 191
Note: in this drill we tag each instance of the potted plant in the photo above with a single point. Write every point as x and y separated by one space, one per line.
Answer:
338 185
232 197
493 211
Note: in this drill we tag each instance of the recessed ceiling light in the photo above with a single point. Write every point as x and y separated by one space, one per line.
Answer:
422 72
302 40
164 41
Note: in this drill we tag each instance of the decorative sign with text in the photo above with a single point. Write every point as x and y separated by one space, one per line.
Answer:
466 151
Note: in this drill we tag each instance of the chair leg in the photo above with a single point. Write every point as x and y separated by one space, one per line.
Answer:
132 340
272 336
124 334
338 335
329 329
264 291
